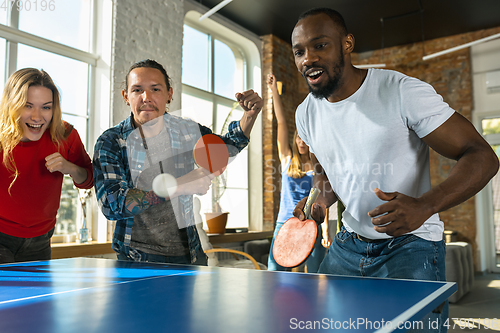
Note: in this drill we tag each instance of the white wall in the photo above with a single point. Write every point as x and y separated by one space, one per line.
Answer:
485 63
146 29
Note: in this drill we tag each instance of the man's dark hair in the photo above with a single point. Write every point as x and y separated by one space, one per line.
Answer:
333 14
148 63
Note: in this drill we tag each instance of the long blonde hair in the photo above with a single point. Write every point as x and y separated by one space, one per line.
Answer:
14 98
295 168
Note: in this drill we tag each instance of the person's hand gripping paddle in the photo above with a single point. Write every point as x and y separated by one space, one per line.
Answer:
295 240
210 153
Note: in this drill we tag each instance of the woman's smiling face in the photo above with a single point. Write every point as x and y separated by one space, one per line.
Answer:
37 113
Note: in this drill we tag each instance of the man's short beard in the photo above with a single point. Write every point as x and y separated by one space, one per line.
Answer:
330 87
327 90
333 83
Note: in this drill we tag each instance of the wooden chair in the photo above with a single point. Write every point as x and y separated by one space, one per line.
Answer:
234 252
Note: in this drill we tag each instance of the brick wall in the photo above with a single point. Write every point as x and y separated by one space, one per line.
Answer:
449 74
277 59
154 31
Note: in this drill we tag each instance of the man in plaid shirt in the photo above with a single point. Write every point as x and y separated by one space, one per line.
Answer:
148 227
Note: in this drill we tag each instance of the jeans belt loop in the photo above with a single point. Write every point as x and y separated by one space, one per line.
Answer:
368 240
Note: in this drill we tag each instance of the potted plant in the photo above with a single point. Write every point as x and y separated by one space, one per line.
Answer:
217 219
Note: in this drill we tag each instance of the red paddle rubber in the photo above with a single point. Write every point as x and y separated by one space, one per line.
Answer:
211 153
294 242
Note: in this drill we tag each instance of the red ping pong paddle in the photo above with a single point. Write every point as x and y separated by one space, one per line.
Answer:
295 239
210 153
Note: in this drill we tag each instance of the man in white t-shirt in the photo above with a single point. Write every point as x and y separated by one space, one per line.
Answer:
369 132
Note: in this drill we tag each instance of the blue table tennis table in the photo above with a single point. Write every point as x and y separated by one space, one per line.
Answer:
88 295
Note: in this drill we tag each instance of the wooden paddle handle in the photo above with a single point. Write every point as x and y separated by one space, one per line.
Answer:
313 195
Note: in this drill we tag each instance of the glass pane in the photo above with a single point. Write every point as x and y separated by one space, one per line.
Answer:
225 71
206 206
224 119
198 109
67 213
196 58
80 124
491 126
237 171
235 202
2 64
72 84
496 208
65 22
3 13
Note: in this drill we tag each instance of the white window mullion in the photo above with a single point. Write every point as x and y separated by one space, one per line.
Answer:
11 46
211 75
19 36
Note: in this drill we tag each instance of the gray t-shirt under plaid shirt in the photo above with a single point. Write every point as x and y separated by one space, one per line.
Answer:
160 229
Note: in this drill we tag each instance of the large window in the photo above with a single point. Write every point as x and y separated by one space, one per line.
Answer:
212 73
491 132
58 37
216 64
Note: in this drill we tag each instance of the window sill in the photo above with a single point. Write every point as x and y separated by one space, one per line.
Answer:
71 250
238 237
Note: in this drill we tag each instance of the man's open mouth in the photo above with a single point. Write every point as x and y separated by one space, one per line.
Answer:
313 76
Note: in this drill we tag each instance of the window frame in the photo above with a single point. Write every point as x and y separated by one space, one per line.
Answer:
248 45
210 95
485 210
98 59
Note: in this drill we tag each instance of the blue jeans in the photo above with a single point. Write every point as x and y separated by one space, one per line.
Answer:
312 262
404 257
201 258
17 249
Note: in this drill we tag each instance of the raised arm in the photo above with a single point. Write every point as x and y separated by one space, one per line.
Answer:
284 150
476 164
251 103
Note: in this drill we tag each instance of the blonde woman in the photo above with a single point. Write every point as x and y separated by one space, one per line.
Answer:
296 182
37 148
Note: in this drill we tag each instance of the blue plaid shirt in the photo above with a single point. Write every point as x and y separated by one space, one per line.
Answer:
113 174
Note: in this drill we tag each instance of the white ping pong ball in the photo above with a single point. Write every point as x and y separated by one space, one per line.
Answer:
164 185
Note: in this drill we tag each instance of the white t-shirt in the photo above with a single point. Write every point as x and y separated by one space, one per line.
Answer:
372 139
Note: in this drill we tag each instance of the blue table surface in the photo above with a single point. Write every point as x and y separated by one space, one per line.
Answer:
103 295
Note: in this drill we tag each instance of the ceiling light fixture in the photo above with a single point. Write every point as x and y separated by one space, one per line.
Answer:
214 10
463 46
370 66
